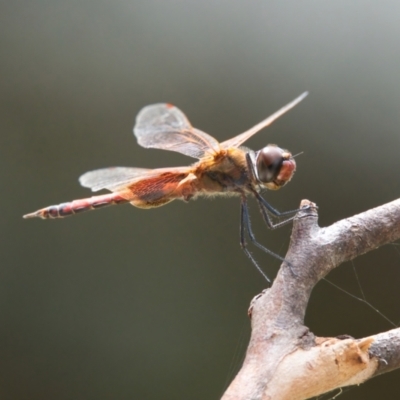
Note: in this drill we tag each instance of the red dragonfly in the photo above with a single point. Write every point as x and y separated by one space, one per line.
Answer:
223 169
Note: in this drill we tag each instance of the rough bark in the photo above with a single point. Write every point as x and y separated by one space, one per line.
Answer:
284 360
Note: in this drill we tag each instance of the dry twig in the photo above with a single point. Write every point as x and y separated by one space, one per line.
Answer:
284 359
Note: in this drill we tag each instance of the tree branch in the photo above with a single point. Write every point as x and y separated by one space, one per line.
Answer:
284 360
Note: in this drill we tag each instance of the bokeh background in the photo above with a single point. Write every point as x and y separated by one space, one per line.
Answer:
124 303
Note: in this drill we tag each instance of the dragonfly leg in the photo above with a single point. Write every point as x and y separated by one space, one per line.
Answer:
245 225
268 208
266 216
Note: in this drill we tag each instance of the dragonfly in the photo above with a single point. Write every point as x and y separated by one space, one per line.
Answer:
224 168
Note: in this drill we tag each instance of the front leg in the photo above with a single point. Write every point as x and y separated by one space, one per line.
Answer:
265 208
246 224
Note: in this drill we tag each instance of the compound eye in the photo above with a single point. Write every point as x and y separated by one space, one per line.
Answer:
269 162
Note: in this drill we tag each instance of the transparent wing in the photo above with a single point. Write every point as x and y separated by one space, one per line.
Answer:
109 178
239 139
116 178
164 126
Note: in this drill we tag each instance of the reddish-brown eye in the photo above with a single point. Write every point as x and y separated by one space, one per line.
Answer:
269 162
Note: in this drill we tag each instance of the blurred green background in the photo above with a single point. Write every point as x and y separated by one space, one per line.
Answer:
124 303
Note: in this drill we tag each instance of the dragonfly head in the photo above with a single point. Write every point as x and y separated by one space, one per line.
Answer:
274 167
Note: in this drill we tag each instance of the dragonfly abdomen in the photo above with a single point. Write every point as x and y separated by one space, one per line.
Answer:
77 206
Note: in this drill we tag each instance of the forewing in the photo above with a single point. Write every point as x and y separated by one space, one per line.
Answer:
164 126
240 139
116 178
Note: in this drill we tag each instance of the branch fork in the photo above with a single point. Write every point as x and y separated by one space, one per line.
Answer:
284 360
